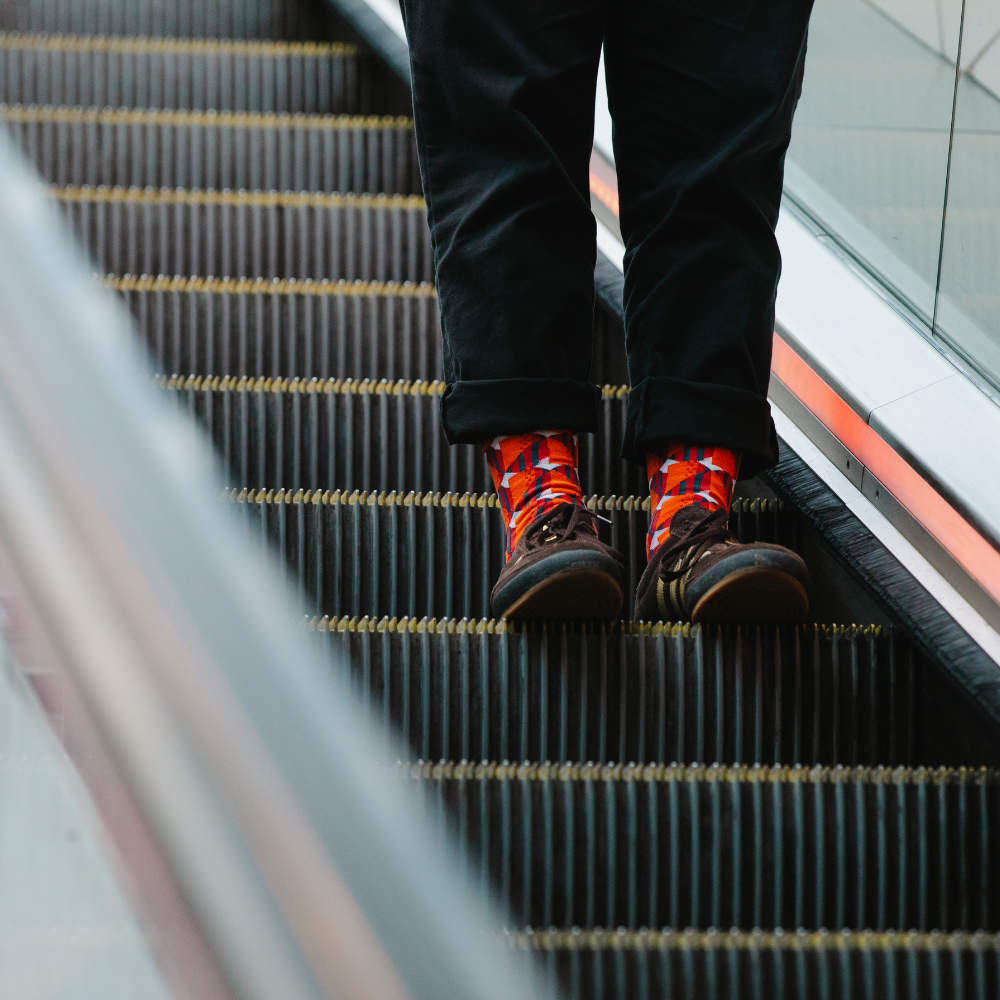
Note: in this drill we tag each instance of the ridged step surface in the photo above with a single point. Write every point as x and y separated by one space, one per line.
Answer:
182 74
725 965
283 327
262 328
307 434
488 690
250 234
696 846
250 19
435 555
207 149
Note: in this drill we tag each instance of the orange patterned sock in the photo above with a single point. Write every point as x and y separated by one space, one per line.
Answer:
532 474
681 475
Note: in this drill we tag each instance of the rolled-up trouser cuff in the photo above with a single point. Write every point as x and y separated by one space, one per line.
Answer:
670 409
476 412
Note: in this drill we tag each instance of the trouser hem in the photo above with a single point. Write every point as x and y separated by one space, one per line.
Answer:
478 411
664 410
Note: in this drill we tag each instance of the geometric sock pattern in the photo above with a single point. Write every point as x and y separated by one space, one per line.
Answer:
532 474
681 475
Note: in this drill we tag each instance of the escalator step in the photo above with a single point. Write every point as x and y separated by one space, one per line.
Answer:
354 554
207 149
185 74
271 19
378 342
491 690
251 234
307 434
696 846
619 964
263 328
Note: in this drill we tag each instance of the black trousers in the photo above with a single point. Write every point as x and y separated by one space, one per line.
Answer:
702 94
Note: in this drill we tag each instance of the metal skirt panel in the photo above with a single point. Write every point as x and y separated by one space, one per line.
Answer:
487 690
722 965
746 847
165 73
314 435
180 149
263 329
251 235
435 556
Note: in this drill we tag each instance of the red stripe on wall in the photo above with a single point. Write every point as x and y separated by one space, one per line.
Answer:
958 538
962 542
604 182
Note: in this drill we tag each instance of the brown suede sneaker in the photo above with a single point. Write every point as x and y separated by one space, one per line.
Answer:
560 570
702 573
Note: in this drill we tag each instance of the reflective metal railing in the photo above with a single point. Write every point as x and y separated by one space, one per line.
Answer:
261 836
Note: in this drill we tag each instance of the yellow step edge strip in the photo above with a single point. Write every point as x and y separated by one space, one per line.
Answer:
64 115
414 499
336 387
267 286
85 194
777 774
374 387
600 939
17 42
491 626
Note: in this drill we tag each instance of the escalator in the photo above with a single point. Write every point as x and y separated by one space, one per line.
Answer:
659 809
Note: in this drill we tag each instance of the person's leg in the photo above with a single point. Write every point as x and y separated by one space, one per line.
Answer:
503 97
702 98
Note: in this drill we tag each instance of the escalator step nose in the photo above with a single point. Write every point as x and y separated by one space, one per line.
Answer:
194 19
573 693
253 234
429 554
357 330
368 435
119 147
650 964
183 74
682 846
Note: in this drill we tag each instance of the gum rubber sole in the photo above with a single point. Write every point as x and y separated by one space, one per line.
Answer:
570 595
757 594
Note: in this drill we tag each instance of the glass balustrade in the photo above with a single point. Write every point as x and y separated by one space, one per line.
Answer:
878 168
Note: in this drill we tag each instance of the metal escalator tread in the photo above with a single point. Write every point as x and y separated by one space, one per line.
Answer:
250 234
208 149
321 329
677 845
368 435
651 964
435 555
248 19
184 74
487 690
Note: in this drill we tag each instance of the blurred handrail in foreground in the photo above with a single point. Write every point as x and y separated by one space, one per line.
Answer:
266 796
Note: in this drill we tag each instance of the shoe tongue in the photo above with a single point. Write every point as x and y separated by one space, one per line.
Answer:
687 517
585 522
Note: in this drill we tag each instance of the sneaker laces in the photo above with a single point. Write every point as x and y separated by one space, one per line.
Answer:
565 523
709 532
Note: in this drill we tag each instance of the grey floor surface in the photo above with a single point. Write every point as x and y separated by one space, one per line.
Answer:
66 930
